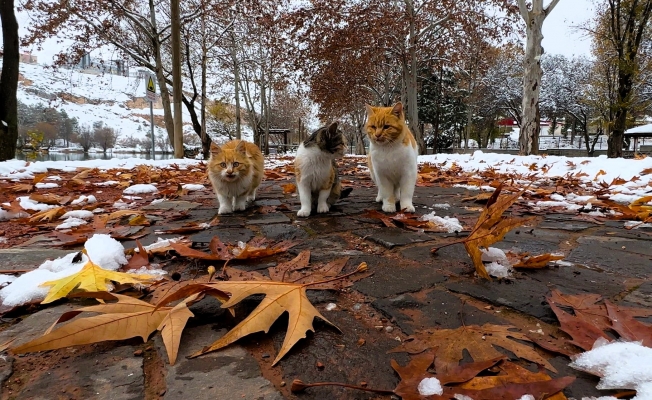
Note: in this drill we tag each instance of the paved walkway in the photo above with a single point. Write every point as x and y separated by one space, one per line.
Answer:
410 290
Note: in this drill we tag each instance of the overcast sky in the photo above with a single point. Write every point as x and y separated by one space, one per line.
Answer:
560 36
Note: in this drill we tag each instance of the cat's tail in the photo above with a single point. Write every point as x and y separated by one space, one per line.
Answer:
345 192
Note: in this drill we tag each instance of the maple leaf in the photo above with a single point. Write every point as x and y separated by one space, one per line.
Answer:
490 228
539 261
627 326
479 341
91 278
280 297
124 319
138 259
47 215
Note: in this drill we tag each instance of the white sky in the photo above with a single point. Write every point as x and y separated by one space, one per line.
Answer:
560 32
561 35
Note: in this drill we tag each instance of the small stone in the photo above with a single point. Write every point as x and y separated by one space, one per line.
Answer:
331 306
265 355
357 307
389 329
319 365
138 353
283 383
379 327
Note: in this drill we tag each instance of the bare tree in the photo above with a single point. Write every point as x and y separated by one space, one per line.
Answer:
105 137
85 137
9 81
534 18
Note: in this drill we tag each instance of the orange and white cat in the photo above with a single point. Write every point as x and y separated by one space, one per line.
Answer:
392 157
235 171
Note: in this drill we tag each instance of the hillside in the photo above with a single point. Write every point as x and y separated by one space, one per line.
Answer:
117 101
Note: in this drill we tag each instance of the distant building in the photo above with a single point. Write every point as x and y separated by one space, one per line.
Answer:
27 58
95 65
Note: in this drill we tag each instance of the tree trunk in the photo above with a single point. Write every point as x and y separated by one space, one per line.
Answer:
160 75
236 77
530 127
359 134
177 84
9 81
410 75
205 140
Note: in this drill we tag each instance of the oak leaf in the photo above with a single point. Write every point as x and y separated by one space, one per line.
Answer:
91 278
479 341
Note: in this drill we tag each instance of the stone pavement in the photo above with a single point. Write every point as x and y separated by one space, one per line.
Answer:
410 290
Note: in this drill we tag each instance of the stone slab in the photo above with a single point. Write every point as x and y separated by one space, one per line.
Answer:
283 232
18 258
392 277
439 310
230 373
592 254
642 295
272 218
227 235
619 244
33 325
172 205
392 237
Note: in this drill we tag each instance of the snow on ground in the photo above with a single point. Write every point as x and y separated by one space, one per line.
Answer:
621 365
192 187
103 250
140 188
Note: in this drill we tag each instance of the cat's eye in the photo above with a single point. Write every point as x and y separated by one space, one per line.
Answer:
235 164
223 165
386 127
373 126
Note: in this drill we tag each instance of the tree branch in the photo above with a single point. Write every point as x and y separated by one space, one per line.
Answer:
550 7
525 13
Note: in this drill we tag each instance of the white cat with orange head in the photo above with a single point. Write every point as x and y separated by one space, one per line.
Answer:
392 157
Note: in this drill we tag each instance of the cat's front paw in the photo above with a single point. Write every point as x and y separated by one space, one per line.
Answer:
304 212
389 207
322 208
240 206
225 210
408 208
379 199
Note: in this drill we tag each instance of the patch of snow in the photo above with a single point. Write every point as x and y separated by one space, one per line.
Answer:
105 251
146 271
29 204
330 306
565 204
468 187
461 397
83 200
107 183
71 223
557 197
430 386
156 201
191 187
81 214
493 254
442 206
621 365
3 239
628 224
160 243
527 397
498 270
4 279
45 185
53 178
6 215
141 188
450 224
132 197
98 211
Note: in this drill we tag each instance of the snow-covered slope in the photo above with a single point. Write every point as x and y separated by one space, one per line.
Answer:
115 100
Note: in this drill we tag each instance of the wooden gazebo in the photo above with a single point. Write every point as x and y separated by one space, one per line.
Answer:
643 131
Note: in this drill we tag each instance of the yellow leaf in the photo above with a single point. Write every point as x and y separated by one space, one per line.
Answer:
122 213
47 215
139 219
92 278
539 261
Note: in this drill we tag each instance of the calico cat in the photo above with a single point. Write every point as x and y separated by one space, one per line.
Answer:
316 169
235 170
392 158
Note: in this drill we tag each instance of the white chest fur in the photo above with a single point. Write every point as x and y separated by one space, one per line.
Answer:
315 166
394 161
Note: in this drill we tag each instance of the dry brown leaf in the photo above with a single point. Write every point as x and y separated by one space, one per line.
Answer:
50 198
540 261
172 327
479 341
123 213
139 220
47 215
289 188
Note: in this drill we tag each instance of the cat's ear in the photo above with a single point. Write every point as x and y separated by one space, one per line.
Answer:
241 147
370 109
215 149
398 109
332 129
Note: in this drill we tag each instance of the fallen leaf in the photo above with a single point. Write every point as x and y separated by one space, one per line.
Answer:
138 259
479 341
628 327
139 220
289 188
50 198
47 215
583 332
256 248
91 278
122 213
172 326
539 261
